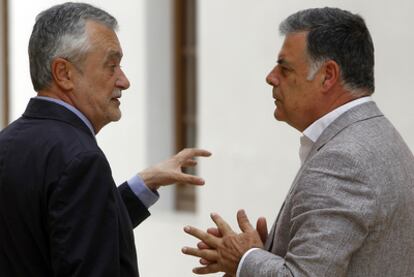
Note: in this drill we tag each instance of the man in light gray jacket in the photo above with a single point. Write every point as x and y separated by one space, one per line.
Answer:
350 209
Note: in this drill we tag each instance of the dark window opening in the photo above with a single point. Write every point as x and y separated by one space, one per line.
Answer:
185 91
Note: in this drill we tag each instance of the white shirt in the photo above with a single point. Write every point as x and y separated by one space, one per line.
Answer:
310 136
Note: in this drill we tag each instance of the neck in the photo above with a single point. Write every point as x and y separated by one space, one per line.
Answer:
331 101
340 96
57 94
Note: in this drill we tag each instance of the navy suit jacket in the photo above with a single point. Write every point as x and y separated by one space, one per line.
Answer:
61 213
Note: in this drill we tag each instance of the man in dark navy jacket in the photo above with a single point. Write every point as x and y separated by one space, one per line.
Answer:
61 213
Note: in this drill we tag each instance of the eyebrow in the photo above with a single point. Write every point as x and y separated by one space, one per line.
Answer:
282 61
114 54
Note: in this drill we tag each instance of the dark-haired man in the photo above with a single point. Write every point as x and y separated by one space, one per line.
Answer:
349 211
61 213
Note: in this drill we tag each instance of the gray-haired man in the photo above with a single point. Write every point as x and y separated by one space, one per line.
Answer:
61 213
349 211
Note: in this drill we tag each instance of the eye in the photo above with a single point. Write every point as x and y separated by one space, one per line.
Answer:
284 70
112 67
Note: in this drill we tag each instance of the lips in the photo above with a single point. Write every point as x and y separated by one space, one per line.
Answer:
116 95
276 98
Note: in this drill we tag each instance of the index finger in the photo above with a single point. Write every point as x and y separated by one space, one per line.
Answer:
193 152
208 239
243 221
223 227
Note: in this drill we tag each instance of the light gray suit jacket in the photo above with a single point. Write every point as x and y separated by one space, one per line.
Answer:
350 210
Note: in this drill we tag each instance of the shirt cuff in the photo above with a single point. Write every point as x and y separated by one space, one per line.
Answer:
147 196
242 260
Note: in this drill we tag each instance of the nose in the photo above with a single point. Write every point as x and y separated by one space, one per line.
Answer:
272 78
122 82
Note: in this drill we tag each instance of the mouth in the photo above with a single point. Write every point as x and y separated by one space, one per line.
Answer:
116 101
116 97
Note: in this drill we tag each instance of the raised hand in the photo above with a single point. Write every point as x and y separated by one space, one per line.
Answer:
170 171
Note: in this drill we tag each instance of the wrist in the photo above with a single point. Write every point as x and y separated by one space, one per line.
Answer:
149 180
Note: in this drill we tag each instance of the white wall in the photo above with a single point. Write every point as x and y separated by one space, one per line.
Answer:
254 157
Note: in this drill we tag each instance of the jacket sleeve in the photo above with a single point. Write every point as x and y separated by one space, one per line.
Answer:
332 210
83 219
136 209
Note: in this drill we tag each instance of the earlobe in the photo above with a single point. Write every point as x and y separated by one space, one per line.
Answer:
62 74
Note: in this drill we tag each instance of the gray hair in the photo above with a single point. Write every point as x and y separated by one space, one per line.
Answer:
60 32
338 35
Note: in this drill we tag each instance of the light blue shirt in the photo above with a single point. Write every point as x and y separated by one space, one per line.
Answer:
137 185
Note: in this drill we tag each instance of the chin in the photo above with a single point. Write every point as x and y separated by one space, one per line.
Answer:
116 116
277 115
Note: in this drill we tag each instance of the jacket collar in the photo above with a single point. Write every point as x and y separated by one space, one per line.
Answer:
356 114
359 113
42 109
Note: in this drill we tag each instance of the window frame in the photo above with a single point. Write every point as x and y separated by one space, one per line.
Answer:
4 64
185 65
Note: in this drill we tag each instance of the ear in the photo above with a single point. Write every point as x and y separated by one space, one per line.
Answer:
62 72
330 76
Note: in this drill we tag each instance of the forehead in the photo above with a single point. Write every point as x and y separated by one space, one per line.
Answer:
294 47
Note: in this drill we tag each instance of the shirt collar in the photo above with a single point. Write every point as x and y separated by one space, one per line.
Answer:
70 108
314 131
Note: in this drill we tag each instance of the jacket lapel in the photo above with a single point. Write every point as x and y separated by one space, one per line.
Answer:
359 113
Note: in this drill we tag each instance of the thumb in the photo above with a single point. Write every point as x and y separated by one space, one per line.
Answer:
243 221
261 228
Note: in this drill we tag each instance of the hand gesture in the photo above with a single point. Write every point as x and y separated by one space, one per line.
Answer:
170 171
221 249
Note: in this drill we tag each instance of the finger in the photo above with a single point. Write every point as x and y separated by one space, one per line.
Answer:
261 227
210 255
214 231
189 179
203 245
205 262
243 221
212 268
208 239
226 275
223 227
189 163
189 153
